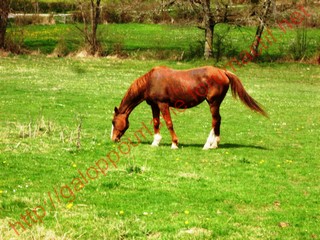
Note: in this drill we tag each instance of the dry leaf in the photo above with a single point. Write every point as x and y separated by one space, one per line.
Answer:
283 224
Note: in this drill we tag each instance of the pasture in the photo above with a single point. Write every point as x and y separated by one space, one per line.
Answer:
55 119
145 41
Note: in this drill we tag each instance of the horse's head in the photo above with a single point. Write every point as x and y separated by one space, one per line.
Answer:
120 124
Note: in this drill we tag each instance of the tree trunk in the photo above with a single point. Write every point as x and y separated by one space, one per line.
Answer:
209 24
208 50
95 15
257 39
4 13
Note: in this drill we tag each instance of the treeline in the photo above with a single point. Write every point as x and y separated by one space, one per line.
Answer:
27 6
112 11
238 12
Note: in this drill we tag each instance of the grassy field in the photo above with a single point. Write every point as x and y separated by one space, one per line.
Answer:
262 183
169 41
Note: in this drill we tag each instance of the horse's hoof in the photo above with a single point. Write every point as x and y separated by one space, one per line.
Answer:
174 146
214 146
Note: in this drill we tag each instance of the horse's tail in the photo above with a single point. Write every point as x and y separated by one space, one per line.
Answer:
238 90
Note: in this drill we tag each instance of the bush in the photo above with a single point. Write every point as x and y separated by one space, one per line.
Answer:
34 19
15 42
298 48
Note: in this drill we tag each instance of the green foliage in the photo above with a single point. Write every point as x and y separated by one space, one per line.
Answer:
261 183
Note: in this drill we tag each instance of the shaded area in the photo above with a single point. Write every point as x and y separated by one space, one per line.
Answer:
198 145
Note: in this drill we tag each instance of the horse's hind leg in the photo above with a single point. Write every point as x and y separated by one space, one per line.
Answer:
164 108
214 136
156 125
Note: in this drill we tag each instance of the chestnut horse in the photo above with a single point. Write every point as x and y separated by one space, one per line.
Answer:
163 88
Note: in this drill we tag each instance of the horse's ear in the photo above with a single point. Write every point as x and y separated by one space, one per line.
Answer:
116 110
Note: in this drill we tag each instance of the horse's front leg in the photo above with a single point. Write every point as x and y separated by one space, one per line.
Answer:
164 108
156 125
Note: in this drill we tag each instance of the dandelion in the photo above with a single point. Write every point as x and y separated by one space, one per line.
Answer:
74 165
186 212
121 212
177 159
145 213
262 161
70 205
186 222
1 191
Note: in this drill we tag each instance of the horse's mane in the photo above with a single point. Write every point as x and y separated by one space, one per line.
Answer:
135 93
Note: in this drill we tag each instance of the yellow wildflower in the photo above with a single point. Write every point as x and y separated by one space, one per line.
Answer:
70 205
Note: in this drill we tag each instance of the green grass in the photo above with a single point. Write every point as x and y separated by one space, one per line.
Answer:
166 41
263 176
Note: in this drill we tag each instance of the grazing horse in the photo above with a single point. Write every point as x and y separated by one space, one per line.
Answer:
163 88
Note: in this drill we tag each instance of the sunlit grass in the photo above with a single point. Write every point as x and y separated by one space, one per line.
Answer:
262 183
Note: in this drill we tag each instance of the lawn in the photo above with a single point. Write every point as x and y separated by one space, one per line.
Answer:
262 183
143 41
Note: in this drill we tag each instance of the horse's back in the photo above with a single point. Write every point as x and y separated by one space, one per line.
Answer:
166 75
189 86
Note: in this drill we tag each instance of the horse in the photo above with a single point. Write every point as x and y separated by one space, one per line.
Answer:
163 87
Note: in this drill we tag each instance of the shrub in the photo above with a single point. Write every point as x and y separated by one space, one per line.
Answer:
23 20
298 48
15 41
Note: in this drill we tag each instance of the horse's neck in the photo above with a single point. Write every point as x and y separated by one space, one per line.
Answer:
133 97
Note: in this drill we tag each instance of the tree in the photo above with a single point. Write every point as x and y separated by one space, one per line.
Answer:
208 24
262 19
91 20
4 13
210 19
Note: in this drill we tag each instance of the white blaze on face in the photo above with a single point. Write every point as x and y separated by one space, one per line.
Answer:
111 131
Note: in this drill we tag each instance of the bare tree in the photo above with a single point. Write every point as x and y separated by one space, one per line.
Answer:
4 13
91 20
208 23
210 17
263 16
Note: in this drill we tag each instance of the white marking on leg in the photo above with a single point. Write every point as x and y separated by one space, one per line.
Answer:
174 146
211 141
111 131
156 140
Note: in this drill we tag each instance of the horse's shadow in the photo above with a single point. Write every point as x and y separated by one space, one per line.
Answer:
221 146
